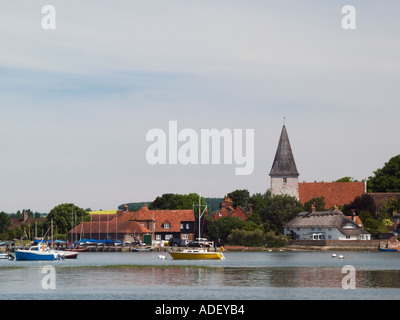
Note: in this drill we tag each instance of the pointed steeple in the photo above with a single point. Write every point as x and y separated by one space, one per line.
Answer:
284 164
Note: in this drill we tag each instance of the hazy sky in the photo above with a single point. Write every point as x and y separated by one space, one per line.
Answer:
77 102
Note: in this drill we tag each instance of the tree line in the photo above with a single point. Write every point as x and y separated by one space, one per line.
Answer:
263 226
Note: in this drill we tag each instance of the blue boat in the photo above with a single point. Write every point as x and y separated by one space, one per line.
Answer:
387 249
40 252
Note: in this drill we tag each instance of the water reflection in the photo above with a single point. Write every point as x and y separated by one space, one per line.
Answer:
298 277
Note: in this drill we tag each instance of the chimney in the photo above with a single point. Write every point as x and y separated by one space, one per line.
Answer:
353 214
250 209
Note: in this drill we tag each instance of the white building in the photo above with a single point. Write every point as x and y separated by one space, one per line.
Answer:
325 225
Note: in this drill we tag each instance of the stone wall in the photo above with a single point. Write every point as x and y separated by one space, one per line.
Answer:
337 244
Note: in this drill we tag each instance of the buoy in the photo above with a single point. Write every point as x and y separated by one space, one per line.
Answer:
341 257
334 255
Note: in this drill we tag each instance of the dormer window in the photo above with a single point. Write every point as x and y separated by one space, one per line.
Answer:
167 226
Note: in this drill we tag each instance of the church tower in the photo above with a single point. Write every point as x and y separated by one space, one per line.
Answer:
284 174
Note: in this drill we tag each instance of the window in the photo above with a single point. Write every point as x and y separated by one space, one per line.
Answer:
158 236
284 180
181 226
185 237
187 225
167 226
168 236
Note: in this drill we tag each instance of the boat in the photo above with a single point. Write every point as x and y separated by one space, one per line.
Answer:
8 256
196 254
39 252
387 249
66 254
143 249
202 252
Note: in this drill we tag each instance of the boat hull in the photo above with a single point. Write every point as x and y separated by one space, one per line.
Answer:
27 255
196 255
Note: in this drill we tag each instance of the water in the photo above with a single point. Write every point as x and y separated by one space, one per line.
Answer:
241 276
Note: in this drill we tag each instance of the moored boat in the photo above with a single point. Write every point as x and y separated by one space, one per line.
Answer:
142 249
8 256
40 252
66 254
387 249
196 254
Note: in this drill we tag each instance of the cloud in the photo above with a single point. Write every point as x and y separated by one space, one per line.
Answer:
76 102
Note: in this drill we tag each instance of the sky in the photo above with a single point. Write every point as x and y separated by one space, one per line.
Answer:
77 101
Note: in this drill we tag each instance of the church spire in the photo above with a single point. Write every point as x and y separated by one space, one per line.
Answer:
284 164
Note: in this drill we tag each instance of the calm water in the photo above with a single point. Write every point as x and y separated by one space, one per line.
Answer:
249 275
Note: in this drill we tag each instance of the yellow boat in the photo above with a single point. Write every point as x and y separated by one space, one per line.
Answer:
196 254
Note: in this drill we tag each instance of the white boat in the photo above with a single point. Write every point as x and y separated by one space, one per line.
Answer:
6 256
66 254
39 252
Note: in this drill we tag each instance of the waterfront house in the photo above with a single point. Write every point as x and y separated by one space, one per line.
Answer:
227 209
324 225
145 225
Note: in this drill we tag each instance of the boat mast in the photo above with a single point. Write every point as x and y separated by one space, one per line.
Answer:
200 213
51 232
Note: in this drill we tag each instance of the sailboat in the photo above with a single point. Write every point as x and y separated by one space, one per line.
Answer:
200 253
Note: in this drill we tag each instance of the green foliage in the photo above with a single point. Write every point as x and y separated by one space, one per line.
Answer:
319 204
362 203
220 229
346 179
279 210
65 215
390 206
240 198
170 201
275 241
386 179
247 238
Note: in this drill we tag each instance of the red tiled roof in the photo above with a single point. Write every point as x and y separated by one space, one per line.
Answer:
335 193
96 227
130 222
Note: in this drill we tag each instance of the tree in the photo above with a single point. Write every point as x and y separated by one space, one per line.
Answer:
65 216
346 179
278 210
319 204
391 205
359 204
386 179
4 224
220 229
240 198
247 238
170 201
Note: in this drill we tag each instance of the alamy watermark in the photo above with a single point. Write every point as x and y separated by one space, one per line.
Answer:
49 280
349 280
187 146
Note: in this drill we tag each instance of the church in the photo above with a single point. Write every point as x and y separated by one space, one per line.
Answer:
314 225
285 180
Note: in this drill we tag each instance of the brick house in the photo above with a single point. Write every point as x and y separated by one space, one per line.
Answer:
147 226
228 210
